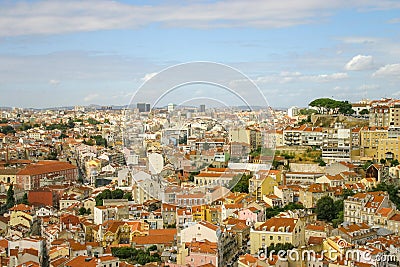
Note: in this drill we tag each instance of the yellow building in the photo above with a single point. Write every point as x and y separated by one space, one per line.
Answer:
310 196
120 232
369 141
389 146
250 135
213 214
59 251
336 247
8 176
263 182
199 213
277 230
234 198
21 214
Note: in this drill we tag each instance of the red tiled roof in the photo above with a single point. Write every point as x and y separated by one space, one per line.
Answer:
276 224
153 239
86 261
209 225
315 240
46 167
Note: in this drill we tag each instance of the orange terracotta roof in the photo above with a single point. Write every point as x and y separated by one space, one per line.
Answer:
248 260
171 231
313 227
384 211
204 246
351 228
395 217
21 207
86 261
42 167
209 225
153 239
276 224
315 240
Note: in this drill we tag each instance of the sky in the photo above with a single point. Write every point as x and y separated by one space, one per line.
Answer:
66 53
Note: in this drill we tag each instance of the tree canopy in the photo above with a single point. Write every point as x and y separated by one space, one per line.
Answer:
115 194
329 210
332 106
136 256
10 202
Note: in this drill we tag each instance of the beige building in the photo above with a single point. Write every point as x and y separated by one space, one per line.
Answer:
309 196
250 135
379 116
369 141
364 207
388 148
8 175
394 224
277 230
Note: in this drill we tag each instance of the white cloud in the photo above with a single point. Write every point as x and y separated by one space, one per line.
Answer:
90 97
359 40
288 77
54 17
369 87
54 82
360 62
325 77
390 70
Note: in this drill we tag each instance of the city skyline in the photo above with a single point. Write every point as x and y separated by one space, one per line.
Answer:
77 53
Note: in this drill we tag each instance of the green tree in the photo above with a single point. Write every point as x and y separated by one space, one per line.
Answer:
242 185
117 194
7 129
325 209
347 193
63 135
366 165
275 248
332 106
52 155
152 248
93 121
70 123
339 219
392 191
82 211
25 199
364 112
128 196
10 201
99 140
272 212
345 108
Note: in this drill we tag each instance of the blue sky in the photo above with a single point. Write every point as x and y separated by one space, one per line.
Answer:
56 53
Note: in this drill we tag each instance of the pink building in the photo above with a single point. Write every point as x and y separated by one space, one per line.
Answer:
249 215
201 253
